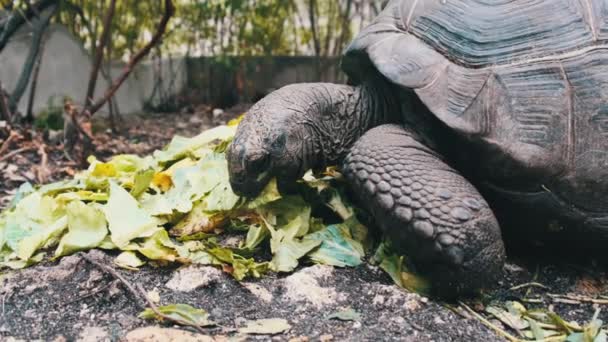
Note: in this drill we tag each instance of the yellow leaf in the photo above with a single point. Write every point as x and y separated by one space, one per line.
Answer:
163 181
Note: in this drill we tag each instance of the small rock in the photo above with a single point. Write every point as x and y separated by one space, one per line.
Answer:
93 334
31 313
379 300
326 338
412 305
259 291
438 320
304 286
157 334
154 295
192 277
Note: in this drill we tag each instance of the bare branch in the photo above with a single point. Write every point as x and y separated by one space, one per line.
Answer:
169 11
16 20
103 40
30 61
5 112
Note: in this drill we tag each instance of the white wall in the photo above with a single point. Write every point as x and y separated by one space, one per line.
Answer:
65 70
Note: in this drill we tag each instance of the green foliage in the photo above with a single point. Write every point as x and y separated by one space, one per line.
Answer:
51 117
223 27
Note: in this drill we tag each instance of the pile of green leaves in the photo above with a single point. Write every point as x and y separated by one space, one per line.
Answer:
177 206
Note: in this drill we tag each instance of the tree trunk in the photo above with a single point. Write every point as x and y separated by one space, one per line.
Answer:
105 36
5 113
29 114
28 66
312 15
18 18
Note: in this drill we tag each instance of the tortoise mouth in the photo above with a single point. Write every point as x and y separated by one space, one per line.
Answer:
250 186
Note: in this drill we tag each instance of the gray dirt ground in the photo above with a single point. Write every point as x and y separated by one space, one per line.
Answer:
73 300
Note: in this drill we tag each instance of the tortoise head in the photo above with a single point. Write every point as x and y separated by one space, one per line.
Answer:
268 143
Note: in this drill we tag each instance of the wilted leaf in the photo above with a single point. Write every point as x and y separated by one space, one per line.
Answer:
393 265
128 260
239 266
288 252
515 322
158 247
126 219
270 326
86 229
255 236
180 147
163 181
181 312
346 315
24 190
337 247
142 181
268 195
198 221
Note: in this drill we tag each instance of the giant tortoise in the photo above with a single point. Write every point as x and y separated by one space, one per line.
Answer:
454 109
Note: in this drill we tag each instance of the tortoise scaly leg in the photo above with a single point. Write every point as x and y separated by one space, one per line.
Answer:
427 209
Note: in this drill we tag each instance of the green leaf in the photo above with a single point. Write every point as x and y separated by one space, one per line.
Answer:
515 322
128 260
288 252
393 265
346 315
159 247
537 331
198 221
32 243
194 182
126 219
337 247
269 326
180 312
87 228
241 267
255 236
142 181
24 190
268 195
181 147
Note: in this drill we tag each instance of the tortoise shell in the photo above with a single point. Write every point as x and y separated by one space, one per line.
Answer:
525 79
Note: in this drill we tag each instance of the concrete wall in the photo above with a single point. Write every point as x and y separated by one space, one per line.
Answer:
224 81
221 82
65 71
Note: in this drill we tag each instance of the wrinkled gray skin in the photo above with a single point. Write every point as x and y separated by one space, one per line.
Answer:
444 102
424 205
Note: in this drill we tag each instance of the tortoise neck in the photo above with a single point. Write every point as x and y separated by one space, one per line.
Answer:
346 113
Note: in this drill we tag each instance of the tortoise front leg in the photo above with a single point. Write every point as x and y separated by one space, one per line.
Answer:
427 209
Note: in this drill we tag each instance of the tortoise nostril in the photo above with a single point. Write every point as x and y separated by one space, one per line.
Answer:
258 163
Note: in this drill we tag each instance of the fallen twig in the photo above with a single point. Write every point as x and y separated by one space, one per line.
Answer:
16 152
138 292
576 299
42 170
489 324
528 285
109 270
90 294
6 144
